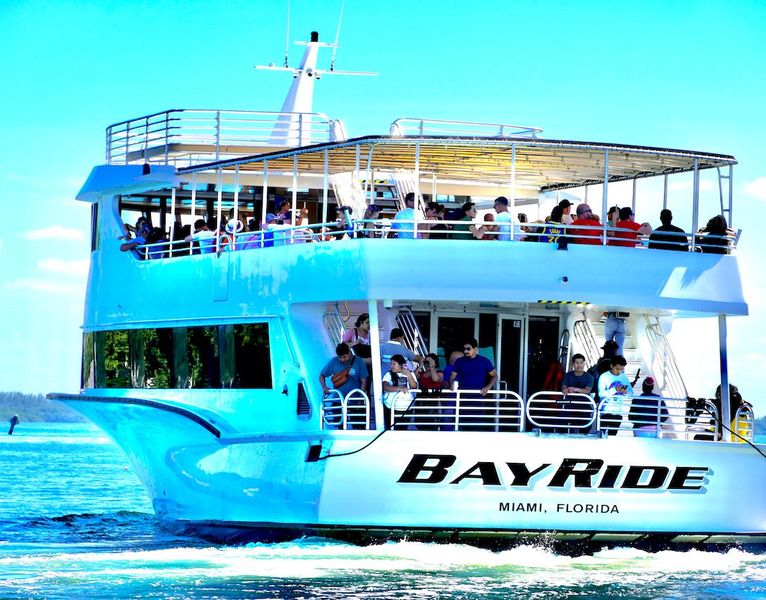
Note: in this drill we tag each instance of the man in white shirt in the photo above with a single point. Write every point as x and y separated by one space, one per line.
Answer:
403 228
615 390
503 219
204 236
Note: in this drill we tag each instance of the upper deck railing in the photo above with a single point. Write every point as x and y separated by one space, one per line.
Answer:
437 127
186 137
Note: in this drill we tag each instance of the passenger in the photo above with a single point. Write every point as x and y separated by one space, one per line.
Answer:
615 329
735 403
233 227
395 345
603 364
346 371
644 412
440 230
475 372
156 236
402 225
358 338
628 238
252 239
424 229
585 219
578 380
431 379
503 220
472 371
467 229
566 208
397 383
372 230
489 231
520 228
450 367
553 230
715 241
614 389
668 236
131 245
613 216
344 224
203 236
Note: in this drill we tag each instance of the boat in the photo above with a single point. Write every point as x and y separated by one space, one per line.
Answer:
201 356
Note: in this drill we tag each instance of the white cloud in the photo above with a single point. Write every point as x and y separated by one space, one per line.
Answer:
757 188
55 232
65 267
41 285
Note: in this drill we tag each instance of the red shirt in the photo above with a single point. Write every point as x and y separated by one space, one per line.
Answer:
586 236
631 237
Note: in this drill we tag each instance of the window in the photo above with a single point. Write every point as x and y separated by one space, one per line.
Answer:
204 357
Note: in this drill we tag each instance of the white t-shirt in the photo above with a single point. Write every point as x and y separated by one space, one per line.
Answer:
399 400
503 221
206 241
614 399
404 230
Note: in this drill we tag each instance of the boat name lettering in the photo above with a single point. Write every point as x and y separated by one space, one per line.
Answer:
590 473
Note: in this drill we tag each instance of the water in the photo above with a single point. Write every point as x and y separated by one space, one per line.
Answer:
74 522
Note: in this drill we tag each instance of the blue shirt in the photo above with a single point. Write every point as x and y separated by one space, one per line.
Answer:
473 373
357 372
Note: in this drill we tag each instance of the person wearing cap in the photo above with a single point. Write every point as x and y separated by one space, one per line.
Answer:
644 409
668 236
403 220
628 238
603 365
566 209
585 218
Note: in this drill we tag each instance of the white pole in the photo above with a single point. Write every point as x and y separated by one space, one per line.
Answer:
513 187
725 415
695 203
377 375
325 185
236 208
418 201
218 211
194 197
172 217
605 195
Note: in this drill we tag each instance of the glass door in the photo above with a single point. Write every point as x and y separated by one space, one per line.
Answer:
451 332
511 340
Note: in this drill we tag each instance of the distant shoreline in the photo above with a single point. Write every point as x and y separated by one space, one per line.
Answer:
36 408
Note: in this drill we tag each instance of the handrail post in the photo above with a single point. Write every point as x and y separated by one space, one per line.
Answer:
605 195
127 141
217 135
167 134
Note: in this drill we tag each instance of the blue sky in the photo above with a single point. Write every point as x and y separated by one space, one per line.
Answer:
676 74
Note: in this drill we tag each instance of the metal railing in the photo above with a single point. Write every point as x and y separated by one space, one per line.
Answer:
280 235
351 411
561 413
427 127
192 136
659 416
463 410
664 365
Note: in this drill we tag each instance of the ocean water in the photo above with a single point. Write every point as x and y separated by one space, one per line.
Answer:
75 523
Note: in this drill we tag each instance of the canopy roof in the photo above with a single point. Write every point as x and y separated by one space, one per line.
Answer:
541 164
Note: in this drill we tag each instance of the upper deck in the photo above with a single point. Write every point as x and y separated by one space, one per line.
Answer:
465 161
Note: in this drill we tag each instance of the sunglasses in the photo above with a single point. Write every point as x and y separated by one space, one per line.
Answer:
467 348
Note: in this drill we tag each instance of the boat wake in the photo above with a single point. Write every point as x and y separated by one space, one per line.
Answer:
121 554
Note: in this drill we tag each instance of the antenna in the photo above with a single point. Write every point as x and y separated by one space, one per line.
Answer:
287 37
337 36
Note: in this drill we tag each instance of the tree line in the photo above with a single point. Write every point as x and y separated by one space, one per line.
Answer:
32 408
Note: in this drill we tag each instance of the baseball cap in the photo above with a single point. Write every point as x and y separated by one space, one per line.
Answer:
583 208
649 381
565 203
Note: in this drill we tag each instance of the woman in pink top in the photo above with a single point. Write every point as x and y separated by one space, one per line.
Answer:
358 338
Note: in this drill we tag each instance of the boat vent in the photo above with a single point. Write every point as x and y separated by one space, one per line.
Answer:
303 407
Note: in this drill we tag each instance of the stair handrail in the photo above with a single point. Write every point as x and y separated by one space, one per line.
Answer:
413 338
334 324
664 365
586 340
